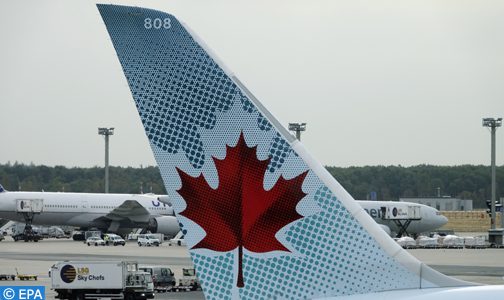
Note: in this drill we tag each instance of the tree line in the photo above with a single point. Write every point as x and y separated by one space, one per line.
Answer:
128 180
386 182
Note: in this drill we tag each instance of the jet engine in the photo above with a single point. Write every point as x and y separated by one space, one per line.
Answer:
167 225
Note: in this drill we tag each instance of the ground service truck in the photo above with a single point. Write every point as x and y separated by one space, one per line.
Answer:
100 279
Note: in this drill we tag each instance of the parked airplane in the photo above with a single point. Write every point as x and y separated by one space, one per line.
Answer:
118 213
398 218
262 218
394 217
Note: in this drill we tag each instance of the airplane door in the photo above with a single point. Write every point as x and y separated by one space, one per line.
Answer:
84 205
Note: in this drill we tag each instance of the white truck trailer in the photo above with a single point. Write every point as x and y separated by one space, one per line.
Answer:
100 279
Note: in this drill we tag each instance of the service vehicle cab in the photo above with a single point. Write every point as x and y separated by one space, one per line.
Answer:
162 276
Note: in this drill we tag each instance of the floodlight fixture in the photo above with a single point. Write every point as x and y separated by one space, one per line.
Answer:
298 128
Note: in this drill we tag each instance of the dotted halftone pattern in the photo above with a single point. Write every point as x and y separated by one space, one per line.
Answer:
337 257
191 110
217 273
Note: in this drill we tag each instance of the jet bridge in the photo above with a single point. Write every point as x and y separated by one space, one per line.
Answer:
28 208
402 216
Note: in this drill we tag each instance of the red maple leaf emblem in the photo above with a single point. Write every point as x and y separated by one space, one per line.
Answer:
239 213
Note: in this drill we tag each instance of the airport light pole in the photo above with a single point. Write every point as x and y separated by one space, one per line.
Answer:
106 132
297 127
492 123
502 211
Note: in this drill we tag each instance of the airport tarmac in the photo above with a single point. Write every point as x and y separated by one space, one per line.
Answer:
37 258
478 265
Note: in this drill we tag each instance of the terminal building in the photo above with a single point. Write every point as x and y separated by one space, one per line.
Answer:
444 203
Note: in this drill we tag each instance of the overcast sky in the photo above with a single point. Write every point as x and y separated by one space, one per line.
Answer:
378 82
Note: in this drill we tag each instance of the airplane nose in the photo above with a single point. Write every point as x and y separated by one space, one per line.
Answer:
441 220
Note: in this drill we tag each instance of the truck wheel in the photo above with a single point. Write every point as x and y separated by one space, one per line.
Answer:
88 244
129 296
139 244
79 296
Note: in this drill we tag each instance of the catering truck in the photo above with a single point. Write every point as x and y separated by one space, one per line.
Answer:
100 279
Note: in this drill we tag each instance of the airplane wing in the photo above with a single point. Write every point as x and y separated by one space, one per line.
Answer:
129 210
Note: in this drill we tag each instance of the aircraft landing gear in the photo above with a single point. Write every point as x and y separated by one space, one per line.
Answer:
28 234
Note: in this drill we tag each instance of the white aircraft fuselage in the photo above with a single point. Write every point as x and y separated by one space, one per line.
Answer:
430 218
108 212
123 212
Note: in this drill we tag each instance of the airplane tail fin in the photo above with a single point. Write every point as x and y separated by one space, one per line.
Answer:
261 217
